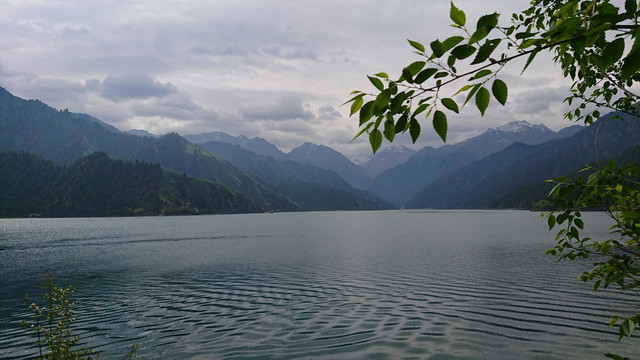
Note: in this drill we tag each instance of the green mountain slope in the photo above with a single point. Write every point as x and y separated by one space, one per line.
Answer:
535 196
176 153
97 185
309 186
482 182
62 136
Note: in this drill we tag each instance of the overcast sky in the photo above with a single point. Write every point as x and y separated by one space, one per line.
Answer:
275 69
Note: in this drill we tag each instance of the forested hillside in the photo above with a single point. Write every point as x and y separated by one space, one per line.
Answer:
97 185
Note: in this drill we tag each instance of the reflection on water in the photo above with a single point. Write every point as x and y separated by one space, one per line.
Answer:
366 285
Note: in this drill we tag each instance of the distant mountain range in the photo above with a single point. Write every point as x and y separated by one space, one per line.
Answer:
64 137
478 184
474 173
430 163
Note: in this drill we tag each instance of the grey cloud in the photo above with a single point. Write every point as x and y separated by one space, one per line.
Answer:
177 106
125 87
287 107
73 32
538 100
328 112
291 53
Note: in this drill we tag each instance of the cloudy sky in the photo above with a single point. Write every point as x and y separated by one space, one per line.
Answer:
277 69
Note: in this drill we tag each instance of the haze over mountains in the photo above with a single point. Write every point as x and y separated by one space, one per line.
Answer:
470 174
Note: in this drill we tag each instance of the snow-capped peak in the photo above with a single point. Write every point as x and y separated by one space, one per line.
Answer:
521 126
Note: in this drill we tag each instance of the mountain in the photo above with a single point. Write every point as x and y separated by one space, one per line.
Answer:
494 140
401 183
480 183
176 153
30 125
97 185
143 133
311 187
385 159
536 195
64 137
326 158
257 145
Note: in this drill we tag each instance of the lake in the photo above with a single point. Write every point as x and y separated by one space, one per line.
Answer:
327 285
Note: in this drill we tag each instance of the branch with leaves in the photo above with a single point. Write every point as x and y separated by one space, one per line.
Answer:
615 191
595 43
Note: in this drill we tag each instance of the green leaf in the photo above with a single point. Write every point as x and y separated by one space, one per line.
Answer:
357 104
626 328
416 45
414 129
375 139
441 74
376 82
482 100
424 75
369 125
381 102
529 60
489 21
485 24
485 51
420 109
500 91
437 48
464 88
389 130
463 51
440 124
473 91
450 42
415 67
612 52
616 357
551 221
382 75
450 104
406 76
397 101
631 64
457 16
366 112
481 74
579 223
401 124
631 6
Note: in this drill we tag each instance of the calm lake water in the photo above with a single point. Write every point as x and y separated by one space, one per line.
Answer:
335 285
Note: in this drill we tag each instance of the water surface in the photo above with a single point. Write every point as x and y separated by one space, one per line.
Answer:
336 285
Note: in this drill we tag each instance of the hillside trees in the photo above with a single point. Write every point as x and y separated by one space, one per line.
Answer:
596 45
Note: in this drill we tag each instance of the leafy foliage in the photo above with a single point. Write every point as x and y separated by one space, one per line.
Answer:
53 322
614 191
595 43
